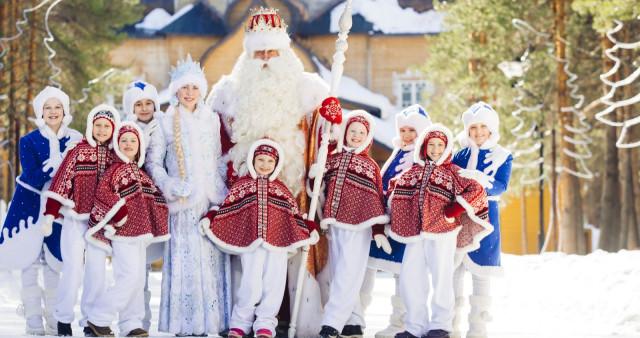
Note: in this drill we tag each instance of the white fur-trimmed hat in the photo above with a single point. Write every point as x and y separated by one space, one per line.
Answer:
47 93
480 112
413 116
139 90
266 30
357 115
126 127
104 111
275 147
187 72
435 130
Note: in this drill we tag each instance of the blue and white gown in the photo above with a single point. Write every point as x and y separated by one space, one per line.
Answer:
21 240
196 280
494 162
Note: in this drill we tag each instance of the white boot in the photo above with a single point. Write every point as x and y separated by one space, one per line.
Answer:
396 320
457 318
479 316
50 301
31 309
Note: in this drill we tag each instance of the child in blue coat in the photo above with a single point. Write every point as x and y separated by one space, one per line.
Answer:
484 160
22 245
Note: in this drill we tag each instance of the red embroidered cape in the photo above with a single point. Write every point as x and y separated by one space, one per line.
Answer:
74 184
417 206
354 198
258 212
127 190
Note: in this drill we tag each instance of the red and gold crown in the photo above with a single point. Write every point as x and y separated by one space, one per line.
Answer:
265 30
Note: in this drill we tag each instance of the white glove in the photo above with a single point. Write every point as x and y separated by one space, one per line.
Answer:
480 177
181 188
122 221
315 171
382 241
47 225
52 163
324 227
203 224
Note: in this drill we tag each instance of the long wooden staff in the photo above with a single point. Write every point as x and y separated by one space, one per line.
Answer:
337 68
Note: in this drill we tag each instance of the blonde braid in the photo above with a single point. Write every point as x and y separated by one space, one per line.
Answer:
177 143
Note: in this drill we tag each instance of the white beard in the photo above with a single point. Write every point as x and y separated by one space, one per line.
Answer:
268 105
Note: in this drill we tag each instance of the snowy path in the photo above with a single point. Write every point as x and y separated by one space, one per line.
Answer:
550 295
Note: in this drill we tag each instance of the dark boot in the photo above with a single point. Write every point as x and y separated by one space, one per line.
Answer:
351 331
64 330
437 334
101 331
405 334
328 332
138 333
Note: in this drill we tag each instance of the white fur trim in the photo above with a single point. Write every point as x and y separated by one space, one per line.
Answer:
236 250
420 140
110 233
384 219
343 128
190 78
64 201
47 93
141 147
252 149
488 228
385 265
481 112
92 113
312 90
88 235
135 94
54 263
480 270
411 117
265 41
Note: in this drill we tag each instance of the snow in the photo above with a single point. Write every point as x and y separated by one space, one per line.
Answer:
549 295
388 17
351 90
159 18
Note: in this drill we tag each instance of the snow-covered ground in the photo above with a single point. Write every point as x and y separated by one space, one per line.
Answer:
550 295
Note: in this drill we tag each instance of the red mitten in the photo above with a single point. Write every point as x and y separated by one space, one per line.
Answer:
210 215
121 214
453 210
52 207
311 225
377 229
331 110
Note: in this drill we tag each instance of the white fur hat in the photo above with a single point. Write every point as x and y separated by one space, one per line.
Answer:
47 93
413 116
480 112
187 72
266 30
107 112
124 127
139 90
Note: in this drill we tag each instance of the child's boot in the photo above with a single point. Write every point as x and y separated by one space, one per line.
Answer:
479 316
31 309
457 317
50 301
396 320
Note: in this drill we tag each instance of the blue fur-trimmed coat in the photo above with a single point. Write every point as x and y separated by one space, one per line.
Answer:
21 240
485 261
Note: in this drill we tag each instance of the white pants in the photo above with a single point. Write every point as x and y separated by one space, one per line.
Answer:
264 275
126 295
420 258
72 246
348 255
481 285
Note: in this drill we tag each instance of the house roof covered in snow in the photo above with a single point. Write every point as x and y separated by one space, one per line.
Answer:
200 19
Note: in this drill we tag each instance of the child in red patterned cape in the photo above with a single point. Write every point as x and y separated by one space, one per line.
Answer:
71 194
260 221
354 213
130 213
436 212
